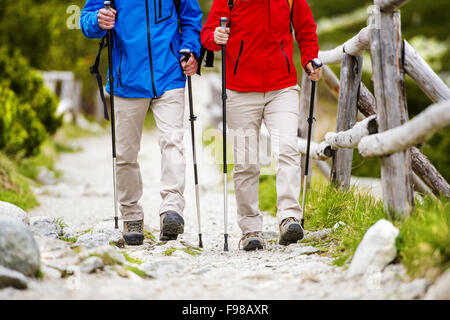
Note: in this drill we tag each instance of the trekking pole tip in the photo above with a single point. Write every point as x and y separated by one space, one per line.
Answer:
225 245
200 242
116 222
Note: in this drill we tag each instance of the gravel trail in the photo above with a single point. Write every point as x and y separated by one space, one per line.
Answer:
83 200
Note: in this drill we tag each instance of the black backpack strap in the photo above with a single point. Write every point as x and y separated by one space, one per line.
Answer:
98 76
209 62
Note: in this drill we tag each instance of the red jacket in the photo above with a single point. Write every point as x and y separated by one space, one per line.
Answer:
260 48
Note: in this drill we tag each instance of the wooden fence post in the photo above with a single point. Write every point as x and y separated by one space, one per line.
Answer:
388 78
351 72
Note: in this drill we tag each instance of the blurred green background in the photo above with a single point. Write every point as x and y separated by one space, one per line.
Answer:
34 35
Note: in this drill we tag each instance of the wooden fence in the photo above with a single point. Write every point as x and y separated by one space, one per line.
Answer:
385 132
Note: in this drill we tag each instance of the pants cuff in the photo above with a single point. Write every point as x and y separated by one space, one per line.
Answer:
297 214
133 216
251 223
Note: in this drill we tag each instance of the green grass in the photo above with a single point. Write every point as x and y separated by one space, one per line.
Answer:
149 236
326 206
193 251
267 195
137 271
71 240
424 241
131 259
17 175
71 131
149 122
169 251
14 187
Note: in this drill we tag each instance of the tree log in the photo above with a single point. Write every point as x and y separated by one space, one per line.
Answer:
318 151
418 130
350 138
324 168
366 101
420 186
389 5
424 76
424 169
354 47
331 81
420 164
351 71
388 79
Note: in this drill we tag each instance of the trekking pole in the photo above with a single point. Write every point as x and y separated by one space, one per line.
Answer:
316 63
223 24
109 38
186 55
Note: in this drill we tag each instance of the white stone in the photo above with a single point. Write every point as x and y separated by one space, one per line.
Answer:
440 290
45 226
50 273
376 250
9 210
92 240
338 225
105 250
18 248
303 250
12 278
91 264
415 289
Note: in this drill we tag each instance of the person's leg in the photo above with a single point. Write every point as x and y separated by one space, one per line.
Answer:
281 119
130 115
168 111
244 116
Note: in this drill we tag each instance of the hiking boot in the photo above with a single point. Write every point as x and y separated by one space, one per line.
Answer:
171 224
133 233
252 241
291 231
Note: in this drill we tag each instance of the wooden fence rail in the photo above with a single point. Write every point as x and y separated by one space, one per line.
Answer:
402 164
418 130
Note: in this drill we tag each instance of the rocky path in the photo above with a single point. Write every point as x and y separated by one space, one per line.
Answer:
82 200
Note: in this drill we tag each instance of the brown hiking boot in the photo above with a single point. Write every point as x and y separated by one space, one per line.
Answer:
252 241
133 232
171 225
291 231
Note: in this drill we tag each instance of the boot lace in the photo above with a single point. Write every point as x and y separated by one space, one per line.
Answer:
134 226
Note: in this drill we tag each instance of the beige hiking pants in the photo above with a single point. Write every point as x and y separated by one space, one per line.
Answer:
168 111
245 112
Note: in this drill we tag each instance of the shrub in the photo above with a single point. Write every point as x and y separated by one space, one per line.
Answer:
21 132
17 75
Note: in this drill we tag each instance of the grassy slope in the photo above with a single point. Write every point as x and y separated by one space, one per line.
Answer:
18 175
424 242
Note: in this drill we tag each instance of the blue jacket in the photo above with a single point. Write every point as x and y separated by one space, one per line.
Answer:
146 43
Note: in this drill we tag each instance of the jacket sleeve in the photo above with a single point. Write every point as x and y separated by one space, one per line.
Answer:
219 9
88 19
190 25
305 31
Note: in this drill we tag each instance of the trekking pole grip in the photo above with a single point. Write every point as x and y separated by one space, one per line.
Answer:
107 5
223 22
316 63
186 53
